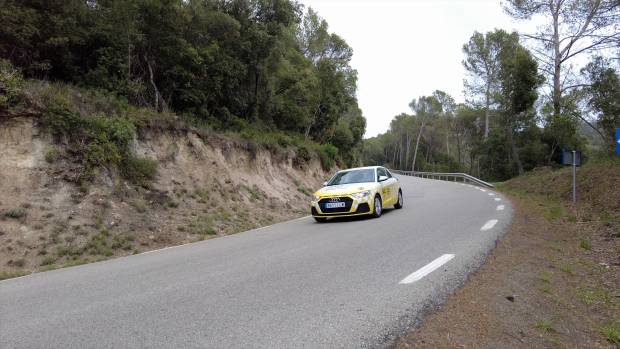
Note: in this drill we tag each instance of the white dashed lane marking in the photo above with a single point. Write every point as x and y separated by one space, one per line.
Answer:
500 207
488 225
427 269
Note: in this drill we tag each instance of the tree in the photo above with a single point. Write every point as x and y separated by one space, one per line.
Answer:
604 97
519 81
572 28
424 108
482 65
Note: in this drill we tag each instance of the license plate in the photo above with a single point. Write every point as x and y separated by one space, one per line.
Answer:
334 204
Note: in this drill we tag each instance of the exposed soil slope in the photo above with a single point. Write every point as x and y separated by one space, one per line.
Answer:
204 187
553 282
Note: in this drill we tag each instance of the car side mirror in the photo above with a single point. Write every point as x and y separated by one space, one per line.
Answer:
324 184
383 178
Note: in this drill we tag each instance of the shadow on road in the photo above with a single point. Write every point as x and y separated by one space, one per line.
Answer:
386 211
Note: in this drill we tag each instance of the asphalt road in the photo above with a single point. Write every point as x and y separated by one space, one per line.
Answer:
298 284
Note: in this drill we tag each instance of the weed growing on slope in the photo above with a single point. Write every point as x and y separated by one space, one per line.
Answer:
546 326
16 213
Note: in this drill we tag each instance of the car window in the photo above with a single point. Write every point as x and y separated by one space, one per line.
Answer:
387 173
381 172
353 176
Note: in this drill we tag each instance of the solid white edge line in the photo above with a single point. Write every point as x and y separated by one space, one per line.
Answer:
500 207
427 269
488 225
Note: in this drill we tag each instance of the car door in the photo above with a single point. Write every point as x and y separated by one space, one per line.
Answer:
386 187
394 186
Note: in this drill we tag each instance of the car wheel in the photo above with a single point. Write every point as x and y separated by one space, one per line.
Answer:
320 219
399 203
378 207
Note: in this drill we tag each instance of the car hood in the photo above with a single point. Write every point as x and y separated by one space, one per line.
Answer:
344 189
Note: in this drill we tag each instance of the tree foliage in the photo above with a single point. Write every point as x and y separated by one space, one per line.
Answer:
264 63
443 136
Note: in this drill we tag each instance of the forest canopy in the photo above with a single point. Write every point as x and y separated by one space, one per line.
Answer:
233 64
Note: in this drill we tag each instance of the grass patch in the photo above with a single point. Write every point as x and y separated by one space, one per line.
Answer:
9 275
139 170
595 296
16 213
202 226
545 277
49 260
202 195
612 333
52 155
99 245
546 326
585 244
304 190
568 269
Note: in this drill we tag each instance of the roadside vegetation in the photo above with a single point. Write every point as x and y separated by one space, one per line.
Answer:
553 281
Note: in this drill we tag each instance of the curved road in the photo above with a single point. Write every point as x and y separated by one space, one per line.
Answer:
349 283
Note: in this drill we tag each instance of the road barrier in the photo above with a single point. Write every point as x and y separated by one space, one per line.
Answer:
444 176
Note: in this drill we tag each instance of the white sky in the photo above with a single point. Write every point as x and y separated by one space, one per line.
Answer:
403 49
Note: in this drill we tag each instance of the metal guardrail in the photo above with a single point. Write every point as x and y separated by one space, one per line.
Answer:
463 177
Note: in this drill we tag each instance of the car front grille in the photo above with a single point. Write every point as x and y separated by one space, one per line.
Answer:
347 204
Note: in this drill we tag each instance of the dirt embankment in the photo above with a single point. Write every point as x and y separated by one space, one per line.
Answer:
203 188
553 282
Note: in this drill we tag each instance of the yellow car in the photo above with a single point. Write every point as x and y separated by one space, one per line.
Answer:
357 191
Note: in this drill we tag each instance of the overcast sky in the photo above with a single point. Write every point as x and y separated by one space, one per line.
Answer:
403 49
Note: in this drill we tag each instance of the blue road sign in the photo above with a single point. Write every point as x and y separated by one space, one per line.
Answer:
618 141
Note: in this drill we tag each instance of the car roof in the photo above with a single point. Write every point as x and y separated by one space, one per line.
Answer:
361 168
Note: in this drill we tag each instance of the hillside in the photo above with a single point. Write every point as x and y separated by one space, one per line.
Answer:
86 177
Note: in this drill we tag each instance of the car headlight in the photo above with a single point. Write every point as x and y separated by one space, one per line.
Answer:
362 195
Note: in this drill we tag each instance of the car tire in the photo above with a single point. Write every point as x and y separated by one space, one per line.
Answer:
320 219
377 207
399 202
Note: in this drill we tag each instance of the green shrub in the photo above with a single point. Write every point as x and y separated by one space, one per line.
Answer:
11 84
18 212
98 141
52 155
328 154
139 170
302 156
585 244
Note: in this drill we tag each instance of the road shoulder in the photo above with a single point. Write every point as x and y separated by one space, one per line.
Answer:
553 281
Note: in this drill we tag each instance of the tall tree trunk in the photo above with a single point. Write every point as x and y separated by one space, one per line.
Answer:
513 148
394 157
128 58
417 144
400 154
458 147
487 105
429 148
408 146
557 62
152 80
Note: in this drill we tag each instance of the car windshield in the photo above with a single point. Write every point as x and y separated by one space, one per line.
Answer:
353 176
